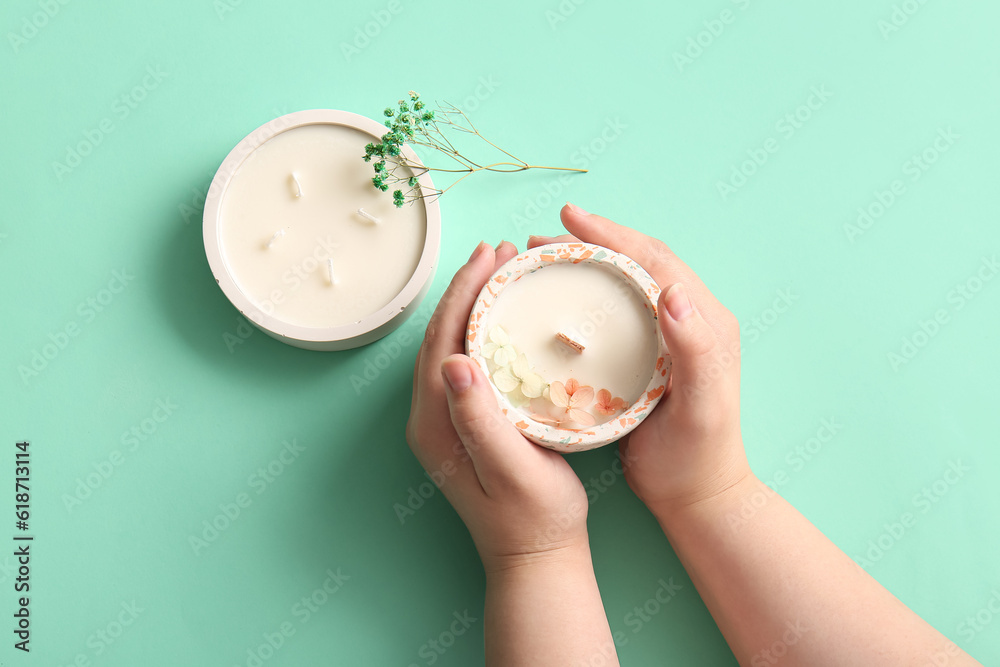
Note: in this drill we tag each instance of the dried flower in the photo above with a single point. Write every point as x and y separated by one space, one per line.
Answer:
499 348
430 130
519 376
607 405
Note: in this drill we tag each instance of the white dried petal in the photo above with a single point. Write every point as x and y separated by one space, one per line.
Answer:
504 381
499 336
505 355
532 385
520 366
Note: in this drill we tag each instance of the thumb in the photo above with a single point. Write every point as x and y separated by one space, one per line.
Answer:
495 446
697 362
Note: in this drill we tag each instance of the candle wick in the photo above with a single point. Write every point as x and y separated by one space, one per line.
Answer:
368 216
298 187
330 278
278 234
574 345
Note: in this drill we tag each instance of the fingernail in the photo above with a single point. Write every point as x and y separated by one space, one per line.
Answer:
500 244
478 251
678 303
576 209
457 374
540 240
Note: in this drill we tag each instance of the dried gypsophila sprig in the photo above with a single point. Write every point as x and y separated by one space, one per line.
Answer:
412 123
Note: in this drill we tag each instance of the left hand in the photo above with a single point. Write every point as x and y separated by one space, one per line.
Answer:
519 501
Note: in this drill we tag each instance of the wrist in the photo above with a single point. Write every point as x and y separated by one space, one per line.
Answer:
725 494
555 559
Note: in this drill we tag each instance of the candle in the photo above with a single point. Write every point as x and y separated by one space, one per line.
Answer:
302 243
568 336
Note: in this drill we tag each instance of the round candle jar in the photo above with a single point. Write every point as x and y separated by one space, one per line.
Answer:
567 334
304 245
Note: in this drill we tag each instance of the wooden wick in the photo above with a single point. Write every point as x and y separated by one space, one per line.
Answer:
570 343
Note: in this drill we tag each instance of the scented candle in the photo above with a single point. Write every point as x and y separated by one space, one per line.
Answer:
303 244
568 336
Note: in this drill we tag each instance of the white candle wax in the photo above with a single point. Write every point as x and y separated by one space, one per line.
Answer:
292 207
594 307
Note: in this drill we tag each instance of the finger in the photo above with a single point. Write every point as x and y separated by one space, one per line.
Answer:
499 452
446 329
697 365
535 241
652 254
505 252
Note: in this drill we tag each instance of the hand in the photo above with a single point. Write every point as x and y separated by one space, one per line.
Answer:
689 448
520 502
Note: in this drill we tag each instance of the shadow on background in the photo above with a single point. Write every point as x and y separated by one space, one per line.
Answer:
213 328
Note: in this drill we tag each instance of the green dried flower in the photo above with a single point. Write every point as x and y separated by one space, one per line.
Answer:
427 129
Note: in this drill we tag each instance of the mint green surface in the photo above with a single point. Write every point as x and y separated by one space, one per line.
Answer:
580 83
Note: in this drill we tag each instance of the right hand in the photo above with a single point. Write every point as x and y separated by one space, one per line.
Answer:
689 449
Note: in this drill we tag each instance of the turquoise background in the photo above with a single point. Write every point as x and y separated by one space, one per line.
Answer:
546 81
